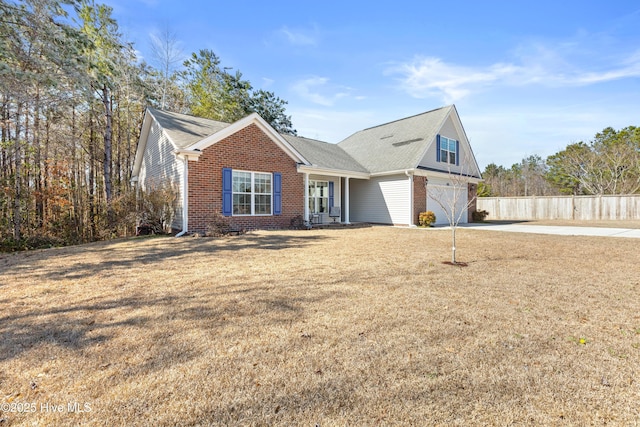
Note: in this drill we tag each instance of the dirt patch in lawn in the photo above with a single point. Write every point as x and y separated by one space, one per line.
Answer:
328 327
456 264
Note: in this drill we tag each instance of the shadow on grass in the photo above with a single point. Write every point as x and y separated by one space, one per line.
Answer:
141 252
97 323
162 323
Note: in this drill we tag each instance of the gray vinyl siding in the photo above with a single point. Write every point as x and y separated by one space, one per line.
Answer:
382 200
429 160
160 166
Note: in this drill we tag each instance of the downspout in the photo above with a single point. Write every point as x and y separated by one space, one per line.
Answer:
185 198
426 193
410 175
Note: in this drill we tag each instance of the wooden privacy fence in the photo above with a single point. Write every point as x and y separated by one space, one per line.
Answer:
562 207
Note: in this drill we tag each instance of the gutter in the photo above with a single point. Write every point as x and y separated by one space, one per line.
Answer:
394 172
188 154
427 171
313 169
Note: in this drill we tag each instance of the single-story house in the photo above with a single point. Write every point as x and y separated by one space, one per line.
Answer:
259 178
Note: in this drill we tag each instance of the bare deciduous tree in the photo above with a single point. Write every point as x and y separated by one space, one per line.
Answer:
451 199
166 52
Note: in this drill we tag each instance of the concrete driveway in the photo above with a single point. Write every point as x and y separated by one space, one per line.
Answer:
556 229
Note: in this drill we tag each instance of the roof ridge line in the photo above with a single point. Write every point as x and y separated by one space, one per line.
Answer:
189 115
304 137
405 118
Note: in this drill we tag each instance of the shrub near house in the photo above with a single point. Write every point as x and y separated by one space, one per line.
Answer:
426 219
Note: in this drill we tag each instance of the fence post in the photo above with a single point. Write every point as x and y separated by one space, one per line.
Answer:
599 206
533 207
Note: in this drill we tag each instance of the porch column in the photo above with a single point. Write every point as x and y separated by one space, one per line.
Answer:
306 197
346 201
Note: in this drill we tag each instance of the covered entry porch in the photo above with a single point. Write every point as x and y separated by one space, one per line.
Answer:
326 195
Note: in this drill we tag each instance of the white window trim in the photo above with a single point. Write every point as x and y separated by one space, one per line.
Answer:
447 150
252 193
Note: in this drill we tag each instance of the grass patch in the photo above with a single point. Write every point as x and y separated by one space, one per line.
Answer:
330 327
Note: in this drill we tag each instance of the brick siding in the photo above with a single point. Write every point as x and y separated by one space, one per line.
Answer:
472 196
419 197
249 149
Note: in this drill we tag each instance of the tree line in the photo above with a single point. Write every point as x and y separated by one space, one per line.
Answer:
608 164
72 98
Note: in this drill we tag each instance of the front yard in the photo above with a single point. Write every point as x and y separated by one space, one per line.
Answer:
329 327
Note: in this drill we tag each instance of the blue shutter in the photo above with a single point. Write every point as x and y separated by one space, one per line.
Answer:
277 193
437 148
457 153
227 192
330 194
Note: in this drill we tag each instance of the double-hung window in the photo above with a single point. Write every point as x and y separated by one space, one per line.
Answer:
252 193
448 150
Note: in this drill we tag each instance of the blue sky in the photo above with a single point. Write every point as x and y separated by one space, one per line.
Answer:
526 77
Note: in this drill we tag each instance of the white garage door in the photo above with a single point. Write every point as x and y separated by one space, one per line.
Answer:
450 198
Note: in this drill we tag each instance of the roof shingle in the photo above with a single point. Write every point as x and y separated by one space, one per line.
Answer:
396 145
392 146
186 130
324 154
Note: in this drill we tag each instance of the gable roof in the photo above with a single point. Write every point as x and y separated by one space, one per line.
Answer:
189 132
251 119
398 145
184 130
394 146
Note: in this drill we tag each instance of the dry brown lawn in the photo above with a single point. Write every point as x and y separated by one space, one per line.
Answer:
327 327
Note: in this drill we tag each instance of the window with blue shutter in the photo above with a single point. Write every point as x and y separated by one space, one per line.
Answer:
227 191
250 193
447 150
277 193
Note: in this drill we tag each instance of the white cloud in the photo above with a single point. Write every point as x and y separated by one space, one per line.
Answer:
139 56
318 91
428 76
267 82
630 68
300 37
